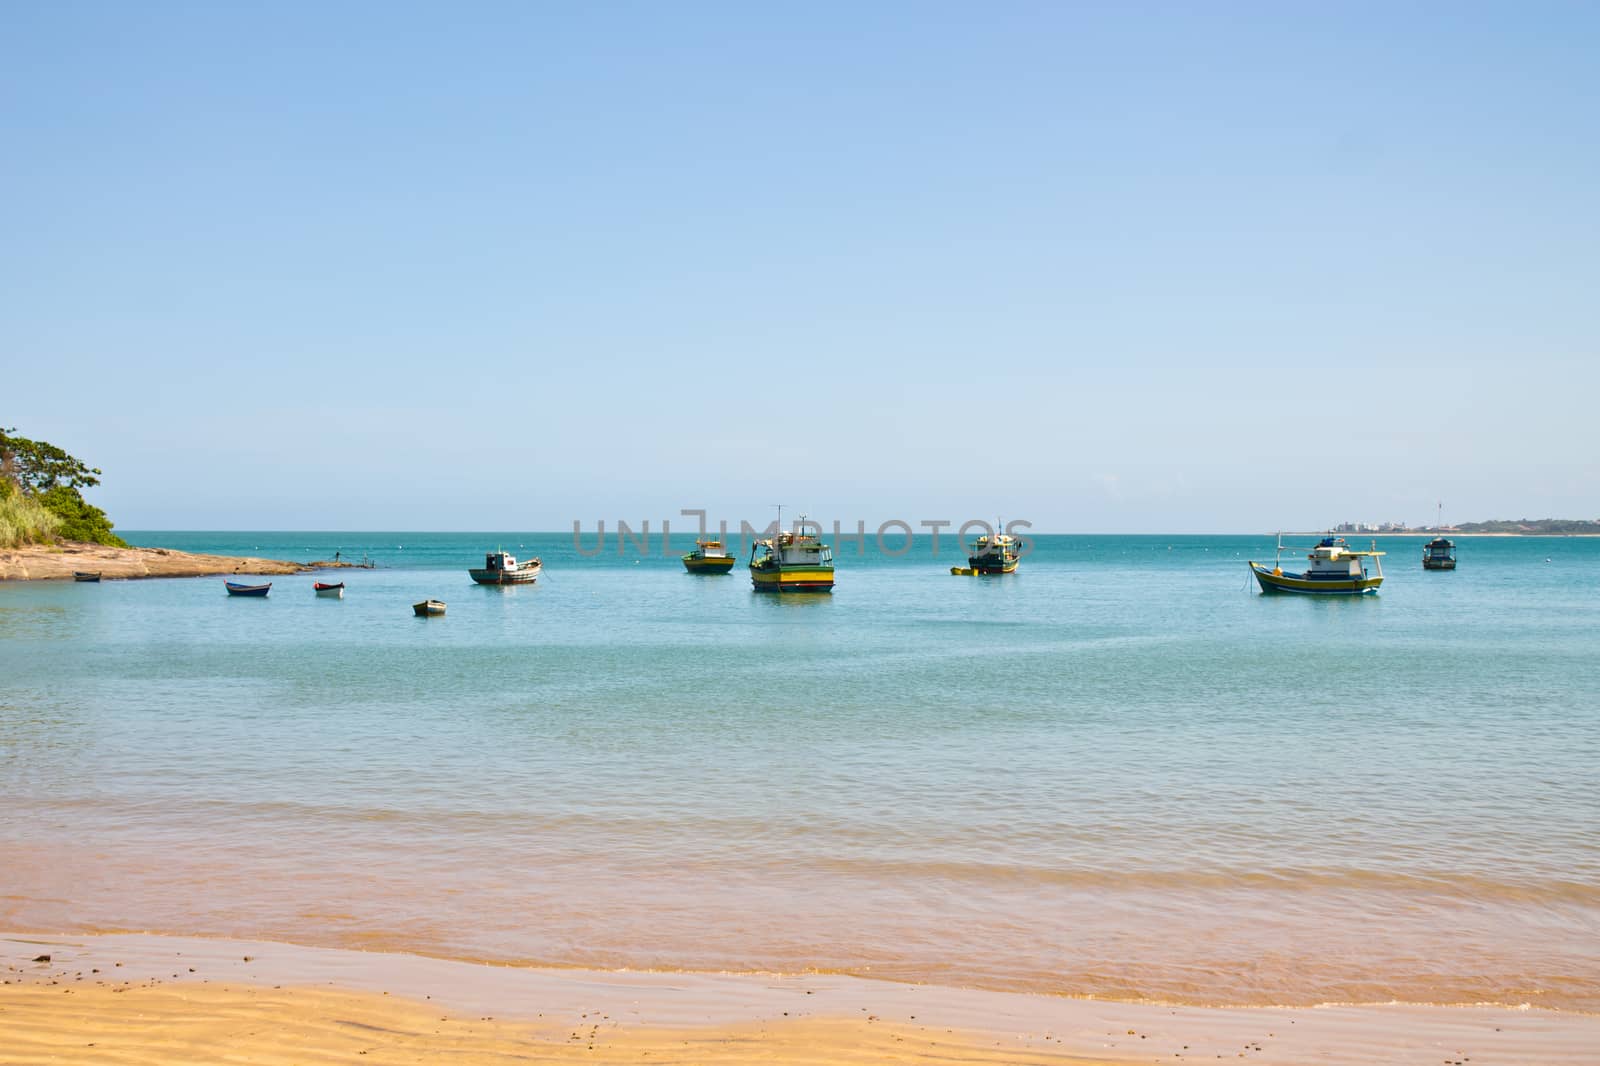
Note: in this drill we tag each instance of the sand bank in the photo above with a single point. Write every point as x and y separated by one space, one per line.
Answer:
148 999
58 561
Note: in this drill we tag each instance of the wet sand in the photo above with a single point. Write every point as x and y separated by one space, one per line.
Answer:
46 562
149 999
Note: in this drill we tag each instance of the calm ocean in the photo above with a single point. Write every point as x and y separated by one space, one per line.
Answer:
1120 772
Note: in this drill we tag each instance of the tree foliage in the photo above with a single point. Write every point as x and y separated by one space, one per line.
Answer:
39 466
34 475
80 519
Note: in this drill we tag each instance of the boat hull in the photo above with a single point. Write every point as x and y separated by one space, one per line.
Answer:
712 565
792 579
985 565
428 609
1303 586
247 590
1438 564
91 577
331 591
524 576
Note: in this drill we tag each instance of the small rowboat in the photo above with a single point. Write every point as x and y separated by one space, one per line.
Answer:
335 590
236 589
86 575
428 608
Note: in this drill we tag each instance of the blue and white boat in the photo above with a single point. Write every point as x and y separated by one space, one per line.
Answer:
236 589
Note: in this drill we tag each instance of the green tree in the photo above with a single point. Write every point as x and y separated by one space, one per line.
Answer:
39 466
46 475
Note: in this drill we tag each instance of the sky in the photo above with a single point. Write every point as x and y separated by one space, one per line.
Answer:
1103 268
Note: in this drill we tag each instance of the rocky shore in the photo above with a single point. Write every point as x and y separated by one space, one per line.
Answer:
46 562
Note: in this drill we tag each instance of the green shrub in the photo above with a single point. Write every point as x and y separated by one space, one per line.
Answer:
79 519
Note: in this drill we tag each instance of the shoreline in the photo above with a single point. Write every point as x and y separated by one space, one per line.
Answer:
57 562
1434 533
99 992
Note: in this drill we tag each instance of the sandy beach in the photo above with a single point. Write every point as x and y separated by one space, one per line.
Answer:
151 999
47 562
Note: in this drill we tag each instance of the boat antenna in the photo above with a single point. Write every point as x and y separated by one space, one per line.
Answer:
779 506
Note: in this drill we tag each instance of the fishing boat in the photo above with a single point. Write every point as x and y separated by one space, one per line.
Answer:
709 557
428 608
502 568
997 553
86 575
1439 554
236 589
335 591
1335 569
793 561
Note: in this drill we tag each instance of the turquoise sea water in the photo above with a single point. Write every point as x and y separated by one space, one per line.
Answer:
1119 772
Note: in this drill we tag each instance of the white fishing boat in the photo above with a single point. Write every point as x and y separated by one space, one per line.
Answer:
1334 569
502 568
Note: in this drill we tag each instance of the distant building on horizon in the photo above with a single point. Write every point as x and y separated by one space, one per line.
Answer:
1372 527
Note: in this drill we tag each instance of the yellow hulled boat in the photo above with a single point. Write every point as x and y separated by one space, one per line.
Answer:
793 561
709 557
998 553
1335 569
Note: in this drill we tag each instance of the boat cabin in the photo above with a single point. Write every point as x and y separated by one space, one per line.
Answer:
792 548
1333 559
500 561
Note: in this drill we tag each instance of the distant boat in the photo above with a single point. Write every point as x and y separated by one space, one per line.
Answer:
86 575
709 557
996 554
236 589
795 561
336 590
428 608
1336 570
1439 554
502 568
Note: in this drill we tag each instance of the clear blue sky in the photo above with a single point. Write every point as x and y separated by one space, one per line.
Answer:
1119 267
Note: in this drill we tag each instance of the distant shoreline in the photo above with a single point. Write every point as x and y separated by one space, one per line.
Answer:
1433 533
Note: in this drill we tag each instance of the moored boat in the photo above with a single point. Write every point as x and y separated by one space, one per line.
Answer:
335 591
995 553
502 568
86 575
1439 554
1335 569
709 557
428 608
236 589
793 561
